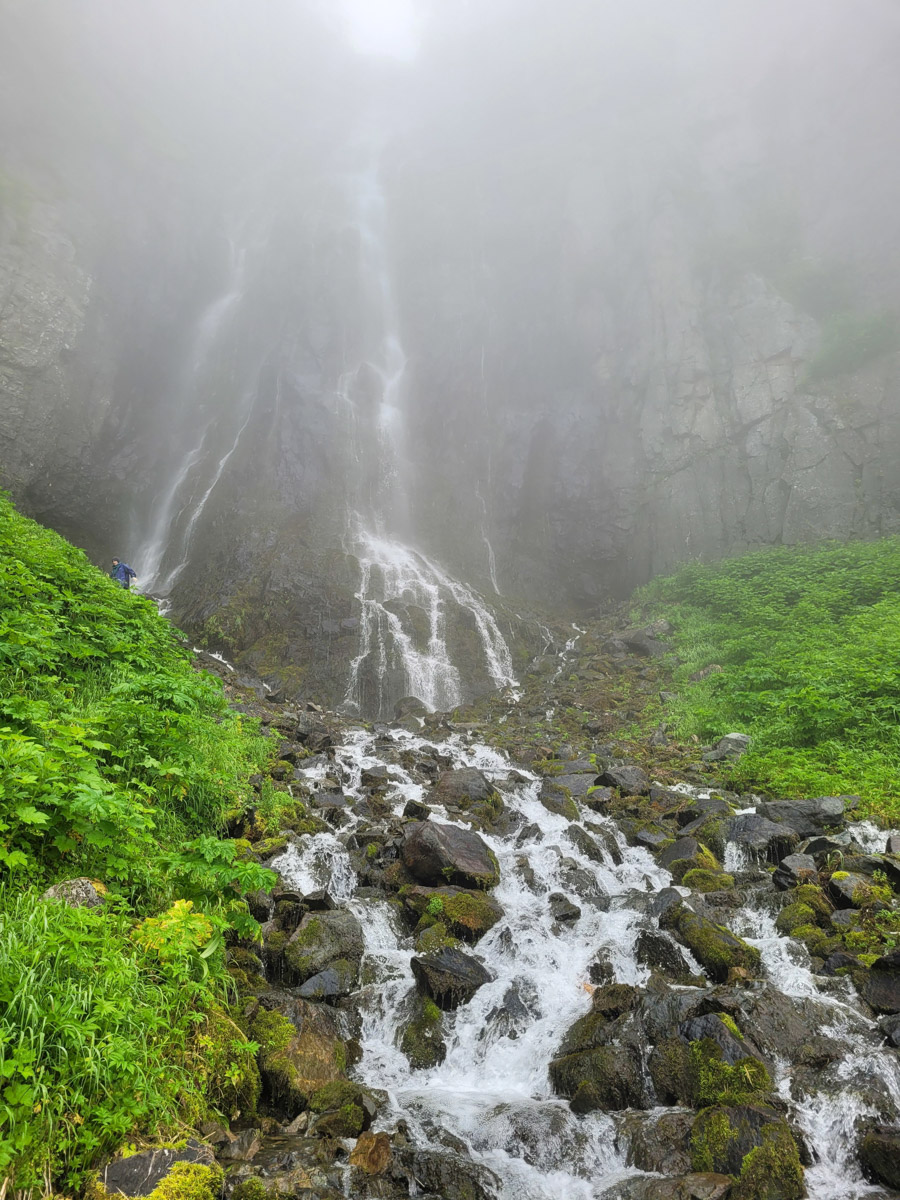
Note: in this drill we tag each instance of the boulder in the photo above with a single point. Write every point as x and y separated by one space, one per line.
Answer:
879 1153
326 939
893 845
604 1077
449 976
659 1142
77 893
241 1147
557 798
843 886
880 986
372 1153
731 746
140 1174
300 1050
469 792
562 909
794 870
422 1042
464 914
808 818
449 1176
410 706
753 1143
716 948
890 1027
762 837
694 1186
629 779
658 952
331 984
438 854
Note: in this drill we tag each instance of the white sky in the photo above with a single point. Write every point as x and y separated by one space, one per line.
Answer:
385 27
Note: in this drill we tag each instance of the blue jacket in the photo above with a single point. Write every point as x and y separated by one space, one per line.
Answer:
123 573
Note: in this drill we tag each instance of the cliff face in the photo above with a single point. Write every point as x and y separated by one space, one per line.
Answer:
642 287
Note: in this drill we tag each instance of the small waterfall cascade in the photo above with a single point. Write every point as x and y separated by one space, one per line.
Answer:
408 603
207 434
491 1095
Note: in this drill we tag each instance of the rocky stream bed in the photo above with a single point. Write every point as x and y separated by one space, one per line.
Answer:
503 964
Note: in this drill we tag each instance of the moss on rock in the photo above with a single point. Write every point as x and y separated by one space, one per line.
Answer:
700 880
773 1170
792 916
422 1042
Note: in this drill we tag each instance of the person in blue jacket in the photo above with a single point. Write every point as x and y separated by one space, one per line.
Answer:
122 573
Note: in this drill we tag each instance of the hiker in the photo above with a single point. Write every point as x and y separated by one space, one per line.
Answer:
122 573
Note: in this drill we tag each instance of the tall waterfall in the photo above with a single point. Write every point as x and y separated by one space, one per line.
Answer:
208 435
407 601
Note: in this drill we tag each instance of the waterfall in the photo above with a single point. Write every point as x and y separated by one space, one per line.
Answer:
406 600
162 553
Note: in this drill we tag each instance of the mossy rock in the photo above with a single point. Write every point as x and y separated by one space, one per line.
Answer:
250 1189
715 1081
422 1043
703 860
754 1145
271 846
233 1078
699 880
773 1170
433 937
295 1063
671 1071
465 913
814 897
609 1074
792 916
347 1122
716 948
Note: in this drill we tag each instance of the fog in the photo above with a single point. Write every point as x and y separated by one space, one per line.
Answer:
548 296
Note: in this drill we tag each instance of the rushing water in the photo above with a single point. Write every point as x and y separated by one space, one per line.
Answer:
492 1089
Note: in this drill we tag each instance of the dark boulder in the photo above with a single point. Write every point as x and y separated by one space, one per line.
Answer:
731 746
717 949
880 986
437 854
843 887
890 1027
658 1142
557 798
702 1185
879 1153
658 952
140 1174
808 818
753 1143
794 870
325 939
441 1173
464 914
629 779
562 909
449 976
761 837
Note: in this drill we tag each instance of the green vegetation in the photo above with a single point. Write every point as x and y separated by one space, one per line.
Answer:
851 339
809 639
118 762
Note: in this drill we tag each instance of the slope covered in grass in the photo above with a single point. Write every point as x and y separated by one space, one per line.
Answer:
809 642
119 762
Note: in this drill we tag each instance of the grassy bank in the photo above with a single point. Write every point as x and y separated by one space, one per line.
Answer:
120 763
808 642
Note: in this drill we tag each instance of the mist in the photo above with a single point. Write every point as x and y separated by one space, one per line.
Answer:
308 309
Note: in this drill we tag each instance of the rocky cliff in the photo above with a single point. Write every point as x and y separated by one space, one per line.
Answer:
642 274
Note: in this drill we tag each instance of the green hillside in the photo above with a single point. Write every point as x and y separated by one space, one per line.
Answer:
808 642
119 763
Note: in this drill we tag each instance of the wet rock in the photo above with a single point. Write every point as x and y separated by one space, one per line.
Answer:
890 1027
467 790
716 948
449 976
845 919
372 1153
300 1050
665 900
581 839
326 939
694 1186
557 798
660 954
839 961
597 798
658 1143
422 1042
644 644
687 854
880 986
762 837
140 1174
808 818
794 870
879 1153
731 746
449 1176
821 847
780 1026
465 914
723 1137
605 1077
630 780
313 733
893 844
335 981
410 706
562 909
437 854
416 810
77 893
242 1147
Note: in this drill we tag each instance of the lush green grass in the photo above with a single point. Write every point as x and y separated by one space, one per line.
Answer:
809 642
118 761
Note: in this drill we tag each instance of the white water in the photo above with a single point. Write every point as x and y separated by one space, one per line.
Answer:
178 507
395 656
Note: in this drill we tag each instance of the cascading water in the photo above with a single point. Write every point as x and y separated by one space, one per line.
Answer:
491 1093
206 446
405 598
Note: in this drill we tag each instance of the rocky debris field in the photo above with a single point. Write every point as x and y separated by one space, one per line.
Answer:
531 949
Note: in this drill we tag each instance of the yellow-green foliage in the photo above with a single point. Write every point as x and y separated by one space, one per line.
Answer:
771 1171
716 1082
809 639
